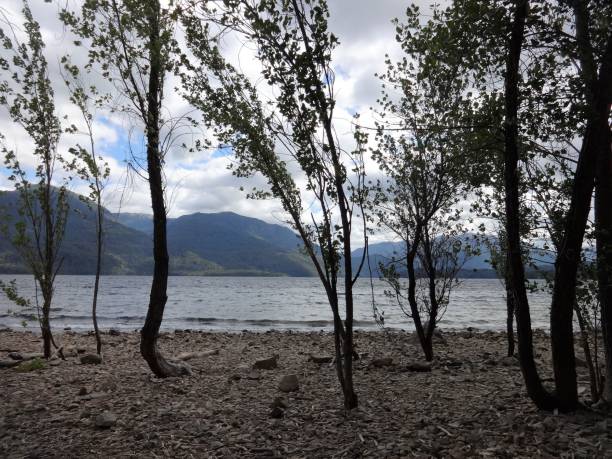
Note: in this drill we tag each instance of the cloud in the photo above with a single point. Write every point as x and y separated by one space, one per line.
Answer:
201 182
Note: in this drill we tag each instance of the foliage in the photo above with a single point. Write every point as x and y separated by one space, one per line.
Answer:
426 171
10 290
28 97
292 131
31 365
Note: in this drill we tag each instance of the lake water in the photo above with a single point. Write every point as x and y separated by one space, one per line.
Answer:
254 303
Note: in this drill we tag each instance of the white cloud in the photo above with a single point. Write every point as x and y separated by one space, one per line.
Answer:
201 182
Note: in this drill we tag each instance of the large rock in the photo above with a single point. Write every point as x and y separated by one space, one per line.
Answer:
508 361
105 420
320 358
267 364
289 383
91 359
9 363
196 355
382 362
419 367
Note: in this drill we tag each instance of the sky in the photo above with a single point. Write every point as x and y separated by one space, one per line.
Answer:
201 182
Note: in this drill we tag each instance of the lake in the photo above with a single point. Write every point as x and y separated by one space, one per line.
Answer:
253 303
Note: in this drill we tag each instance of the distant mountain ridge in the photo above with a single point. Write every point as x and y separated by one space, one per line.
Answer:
208 244
476 266
199 244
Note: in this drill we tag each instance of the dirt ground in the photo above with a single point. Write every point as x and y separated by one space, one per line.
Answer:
471 404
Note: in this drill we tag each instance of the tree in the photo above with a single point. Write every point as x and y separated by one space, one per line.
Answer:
498 262
554 105
91 168
597 96
516 269
292 131
420 153
132 43
28 96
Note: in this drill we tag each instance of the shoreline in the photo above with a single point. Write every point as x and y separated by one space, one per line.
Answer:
268 331
470 402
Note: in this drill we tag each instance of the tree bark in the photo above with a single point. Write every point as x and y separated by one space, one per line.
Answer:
158 297
588 356
94 305
596 139
412 301
45 326
603 234
510 321
516 270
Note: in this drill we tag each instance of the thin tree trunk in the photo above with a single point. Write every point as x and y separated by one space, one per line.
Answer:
516 270
510 320
45 326
94 305
148 344
603 233
433 300
414 307
588 357
412 302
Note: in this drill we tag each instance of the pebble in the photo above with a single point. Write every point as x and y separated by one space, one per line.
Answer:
382 362
9 363
105 420
289 383
266 364
91 359
419 367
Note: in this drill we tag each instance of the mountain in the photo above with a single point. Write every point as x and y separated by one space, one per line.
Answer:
477 266
127 251
139 222
199 244
239 244
217 244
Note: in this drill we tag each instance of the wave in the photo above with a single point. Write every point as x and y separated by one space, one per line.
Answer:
216 321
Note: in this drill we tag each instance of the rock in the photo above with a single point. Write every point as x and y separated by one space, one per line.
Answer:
91 359
9 363
320 358
277 412
509 361
83 391
195 355
267 364
289 383
419 367
15 356
70 351
382 362
105 420
253 376
278 402
114 332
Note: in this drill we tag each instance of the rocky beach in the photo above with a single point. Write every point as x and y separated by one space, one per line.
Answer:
276 394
